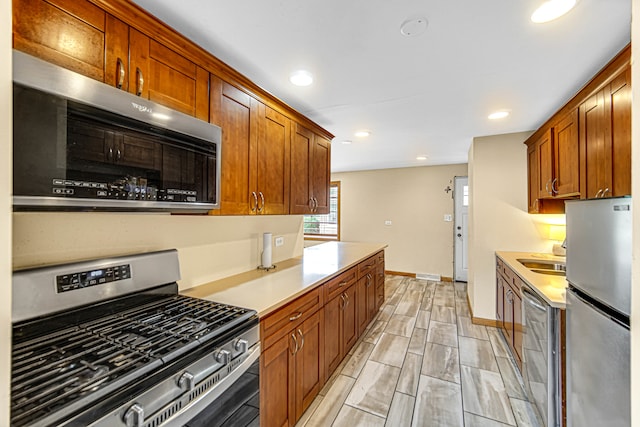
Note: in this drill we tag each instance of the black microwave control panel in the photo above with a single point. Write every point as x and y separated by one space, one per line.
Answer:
84 279
124 189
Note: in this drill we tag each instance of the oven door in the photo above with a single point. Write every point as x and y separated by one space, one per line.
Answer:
238 406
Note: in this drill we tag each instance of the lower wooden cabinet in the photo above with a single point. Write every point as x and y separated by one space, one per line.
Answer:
509 308
305 341
292 372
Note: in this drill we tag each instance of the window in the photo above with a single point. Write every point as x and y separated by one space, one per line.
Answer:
325 227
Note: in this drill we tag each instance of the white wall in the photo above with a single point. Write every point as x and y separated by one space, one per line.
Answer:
635 160
5 208
419 240
498 213
209 247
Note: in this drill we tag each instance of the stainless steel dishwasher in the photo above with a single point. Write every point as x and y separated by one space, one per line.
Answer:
541 370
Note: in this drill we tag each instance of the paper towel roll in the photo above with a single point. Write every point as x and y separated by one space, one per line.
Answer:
266 249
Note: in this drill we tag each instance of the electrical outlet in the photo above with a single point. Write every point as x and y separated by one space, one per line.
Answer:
448 218
279 241
387 222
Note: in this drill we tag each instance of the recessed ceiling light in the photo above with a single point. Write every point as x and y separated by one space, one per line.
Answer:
551 10
301 78
421 158
346 142
362 133
414 27
498 115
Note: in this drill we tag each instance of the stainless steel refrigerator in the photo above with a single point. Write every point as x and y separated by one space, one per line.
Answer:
598 308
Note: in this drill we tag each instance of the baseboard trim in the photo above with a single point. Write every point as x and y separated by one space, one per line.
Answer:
446 279
400 273
480 320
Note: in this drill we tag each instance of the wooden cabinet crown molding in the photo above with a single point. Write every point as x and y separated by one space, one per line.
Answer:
615 67
148 24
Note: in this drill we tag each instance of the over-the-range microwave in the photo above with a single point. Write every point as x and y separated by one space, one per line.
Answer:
79 144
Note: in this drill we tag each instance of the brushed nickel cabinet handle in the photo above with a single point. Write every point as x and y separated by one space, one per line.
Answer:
301 338
546 186
120 73
261 208
139 82
296 317
554 188
598 193
254 205
310 204
344 302
604 193
344 282
295 340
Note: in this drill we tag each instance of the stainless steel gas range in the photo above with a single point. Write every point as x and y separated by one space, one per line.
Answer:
111 343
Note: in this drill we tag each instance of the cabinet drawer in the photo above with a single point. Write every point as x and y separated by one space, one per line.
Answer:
338 284
289 316
367 266
380 257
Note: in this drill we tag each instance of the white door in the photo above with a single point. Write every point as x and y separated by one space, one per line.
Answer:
460 225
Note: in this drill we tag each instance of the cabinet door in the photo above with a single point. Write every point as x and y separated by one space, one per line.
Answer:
379 286
273 164
371 296
592 142
69 33
309 362
277 374
500 300
566 159
321 174
161 75
545 164
236 113
116 66
333 332
350 318
301 149
533 178
361 303
618 109
508 313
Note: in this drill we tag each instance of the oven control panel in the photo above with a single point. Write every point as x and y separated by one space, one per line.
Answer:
84 279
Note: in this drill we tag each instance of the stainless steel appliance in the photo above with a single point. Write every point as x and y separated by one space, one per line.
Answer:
541 357
598 309
84 145
111 343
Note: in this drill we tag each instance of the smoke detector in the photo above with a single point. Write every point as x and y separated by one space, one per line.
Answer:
414 27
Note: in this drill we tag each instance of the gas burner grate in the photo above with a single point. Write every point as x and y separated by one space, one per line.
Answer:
71 368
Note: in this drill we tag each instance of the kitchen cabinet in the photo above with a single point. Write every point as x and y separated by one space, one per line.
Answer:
305 341
80 36
584 150
310 172
366 292
161 75
255 160
605 139
509 308
379 282
292 363
340 315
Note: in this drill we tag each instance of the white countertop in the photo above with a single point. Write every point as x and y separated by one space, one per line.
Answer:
267 291
551 288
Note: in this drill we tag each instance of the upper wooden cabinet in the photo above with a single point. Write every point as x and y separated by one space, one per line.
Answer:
255 152
69 33
605 140
118 43
584 150
310 172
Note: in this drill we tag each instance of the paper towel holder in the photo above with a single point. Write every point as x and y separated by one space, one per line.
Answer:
262 267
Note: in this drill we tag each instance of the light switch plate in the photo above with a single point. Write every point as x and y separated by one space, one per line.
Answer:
387 222
279 241
448 218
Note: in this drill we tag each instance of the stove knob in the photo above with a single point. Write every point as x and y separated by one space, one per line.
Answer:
241 345
186 381
134 416
222 356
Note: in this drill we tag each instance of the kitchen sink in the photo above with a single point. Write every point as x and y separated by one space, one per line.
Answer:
550 272
553 268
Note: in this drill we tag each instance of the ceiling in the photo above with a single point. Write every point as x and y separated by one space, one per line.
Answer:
426 95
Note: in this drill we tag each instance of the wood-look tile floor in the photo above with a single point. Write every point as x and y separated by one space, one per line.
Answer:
422 362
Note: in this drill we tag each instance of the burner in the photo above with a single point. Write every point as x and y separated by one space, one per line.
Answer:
90 377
